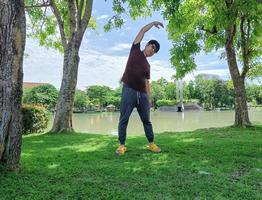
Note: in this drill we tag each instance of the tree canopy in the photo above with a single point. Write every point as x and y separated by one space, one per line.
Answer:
203 28
46 16
199 25
45 95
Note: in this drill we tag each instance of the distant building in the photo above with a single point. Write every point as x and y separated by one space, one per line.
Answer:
210 76
110 108
30 85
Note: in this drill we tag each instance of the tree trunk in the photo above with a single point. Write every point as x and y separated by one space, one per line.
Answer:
12 44
241 111
79 14
64 108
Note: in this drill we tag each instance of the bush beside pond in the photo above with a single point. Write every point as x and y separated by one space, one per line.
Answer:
166 102
35 118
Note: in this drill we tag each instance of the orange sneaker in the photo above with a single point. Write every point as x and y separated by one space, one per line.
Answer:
121 149
154 148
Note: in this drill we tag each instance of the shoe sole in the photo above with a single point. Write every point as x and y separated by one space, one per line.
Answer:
155 151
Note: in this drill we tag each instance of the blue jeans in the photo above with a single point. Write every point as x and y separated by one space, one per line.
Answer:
129 100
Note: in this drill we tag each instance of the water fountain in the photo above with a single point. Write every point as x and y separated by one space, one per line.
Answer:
179 95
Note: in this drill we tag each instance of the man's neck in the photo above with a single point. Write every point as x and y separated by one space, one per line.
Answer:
144 53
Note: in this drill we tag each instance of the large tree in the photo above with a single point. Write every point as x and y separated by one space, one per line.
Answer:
234 25
72 18
209 25
12 43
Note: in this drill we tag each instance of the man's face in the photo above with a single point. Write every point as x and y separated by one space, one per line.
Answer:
150 50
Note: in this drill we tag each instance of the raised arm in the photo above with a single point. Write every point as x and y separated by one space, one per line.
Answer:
141 33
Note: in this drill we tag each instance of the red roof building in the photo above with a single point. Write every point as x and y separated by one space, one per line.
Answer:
29 85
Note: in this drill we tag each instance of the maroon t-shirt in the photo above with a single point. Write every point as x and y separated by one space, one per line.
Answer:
137 69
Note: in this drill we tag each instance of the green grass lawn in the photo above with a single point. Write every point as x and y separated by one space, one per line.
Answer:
223 163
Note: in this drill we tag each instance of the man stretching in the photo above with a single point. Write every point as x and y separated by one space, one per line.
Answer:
136 91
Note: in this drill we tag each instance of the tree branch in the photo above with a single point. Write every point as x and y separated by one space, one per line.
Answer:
79 14
46 3
72 13
228 3
244 45
77 4
41 26
60 22
213 31
86 17
37 6
248 30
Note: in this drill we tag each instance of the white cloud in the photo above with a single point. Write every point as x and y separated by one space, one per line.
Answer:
222 73
219 72
41 64
102 17
121 47
95 68
208 64
100 69
210 61
160 69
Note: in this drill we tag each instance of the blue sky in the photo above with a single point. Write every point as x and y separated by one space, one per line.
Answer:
103 55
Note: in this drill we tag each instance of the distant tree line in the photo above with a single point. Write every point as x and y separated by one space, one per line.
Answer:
209 93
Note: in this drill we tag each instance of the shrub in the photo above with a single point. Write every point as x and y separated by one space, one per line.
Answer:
166 102
35 118
191 101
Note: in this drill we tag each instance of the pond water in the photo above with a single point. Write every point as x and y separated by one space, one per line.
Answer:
107 122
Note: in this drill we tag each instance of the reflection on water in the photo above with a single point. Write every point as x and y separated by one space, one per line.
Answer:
106 123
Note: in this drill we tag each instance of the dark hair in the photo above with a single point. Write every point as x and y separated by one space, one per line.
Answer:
156 44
